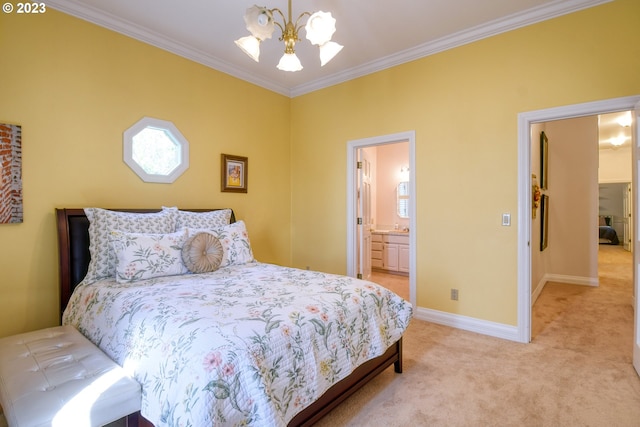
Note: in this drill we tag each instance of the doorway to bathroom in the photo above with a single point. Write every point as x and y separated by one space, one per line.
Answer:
381 212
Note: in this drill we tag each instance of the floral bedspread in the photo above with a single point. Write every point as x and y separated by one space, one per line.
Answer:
249 344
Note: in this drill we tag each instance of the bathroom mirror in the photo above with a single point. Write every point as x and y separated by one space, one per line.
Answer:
403 199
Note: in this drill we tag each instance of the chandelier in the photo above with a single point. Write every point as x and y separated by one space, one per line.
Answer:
261 24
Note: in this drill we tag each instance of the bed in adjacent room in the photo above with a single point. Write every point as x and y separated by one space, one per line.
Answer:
607 235
237 342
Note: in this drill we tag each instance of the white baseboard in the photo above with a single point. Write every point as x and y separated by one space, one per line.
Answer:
560 278
572 280
485 327
494 329
538 290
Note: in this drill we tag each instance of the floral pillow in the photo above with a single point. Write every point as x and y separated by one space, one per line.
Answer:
143 256
209 219
101 222
235 243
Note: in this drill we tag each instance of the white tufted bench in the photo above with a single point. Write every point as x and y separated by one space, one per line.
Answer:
57 377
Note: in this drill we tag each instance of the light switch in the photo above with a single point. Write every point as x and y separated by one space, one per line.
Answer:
506 219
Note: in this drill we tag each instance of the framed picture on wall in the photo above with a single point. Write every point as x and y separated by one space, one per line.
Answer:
544 224
234 173
10 173
544 161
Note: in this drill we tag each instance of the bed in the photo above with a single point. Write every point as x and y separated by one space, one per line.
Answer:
249 343
606 233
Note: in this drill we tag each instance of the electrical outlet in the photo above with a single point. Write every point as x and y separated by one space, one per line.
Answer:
454 294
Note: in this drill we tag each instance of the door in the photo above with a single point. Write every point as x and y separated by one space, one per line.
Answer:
364 214
627 218
636 237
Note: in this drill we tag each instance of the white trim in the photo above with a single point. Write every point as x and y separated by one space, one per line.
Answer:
461 38
525 120
614 181
518 20
485 327
174 133
161 41
635 218
352 147
559 278
572 280
538 290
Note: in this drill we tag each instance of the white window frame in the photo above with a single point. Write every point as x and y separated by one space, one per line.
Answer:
168 127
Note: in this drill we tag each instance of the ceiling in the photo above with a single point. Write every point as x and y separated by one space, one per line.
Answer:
610 129
375 34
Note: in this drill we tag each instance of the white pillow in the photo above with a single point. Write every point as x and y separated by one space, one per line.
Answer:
145 255
101 221
208 219
235 243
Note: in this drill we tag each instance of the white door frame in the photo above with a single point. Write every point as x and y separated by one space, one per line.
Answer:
525 120
352 199
363 231
636 236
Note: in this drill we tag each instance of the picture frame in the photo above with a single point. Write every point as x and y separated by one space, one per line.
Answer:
544 225
544 161
234 173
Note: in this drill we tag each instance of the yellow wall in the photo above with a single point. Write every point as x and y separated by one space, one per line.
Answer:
75 87
463 105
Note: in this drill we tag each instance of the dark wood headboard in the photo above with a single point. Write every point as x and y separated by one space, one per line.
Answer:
73 246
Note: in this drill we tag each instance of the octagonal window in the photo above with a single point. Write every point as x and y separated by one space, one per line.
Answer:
156 150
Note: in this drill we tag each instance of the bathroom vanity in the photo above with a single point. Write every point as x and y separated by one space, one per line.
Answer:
390 251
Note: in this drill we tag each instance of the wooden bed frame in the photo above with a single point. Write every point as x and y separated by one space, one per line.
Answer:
73 245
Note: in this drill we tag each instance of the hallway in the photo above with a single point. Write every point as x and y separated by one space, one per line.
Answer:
591 320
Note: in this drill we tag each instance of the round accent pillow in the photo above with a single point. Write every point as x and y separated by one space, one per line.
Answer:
202 253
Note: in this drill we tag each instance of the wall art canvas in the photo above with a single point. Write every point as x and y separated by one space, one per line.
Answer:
10 173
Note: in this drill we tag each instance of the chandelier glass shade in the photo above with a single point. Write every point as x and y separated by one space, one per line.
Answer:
261 24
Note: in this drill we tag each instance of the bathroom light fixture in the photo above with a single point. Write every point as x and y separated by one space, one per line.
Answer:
261 24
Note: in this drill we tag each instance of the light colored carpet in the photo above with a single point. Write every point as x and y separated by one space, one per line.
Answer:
576 371
395 282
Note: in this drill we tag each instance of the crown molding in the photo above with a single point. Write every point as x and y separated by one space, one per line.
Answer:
130 29
512 22
470 35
